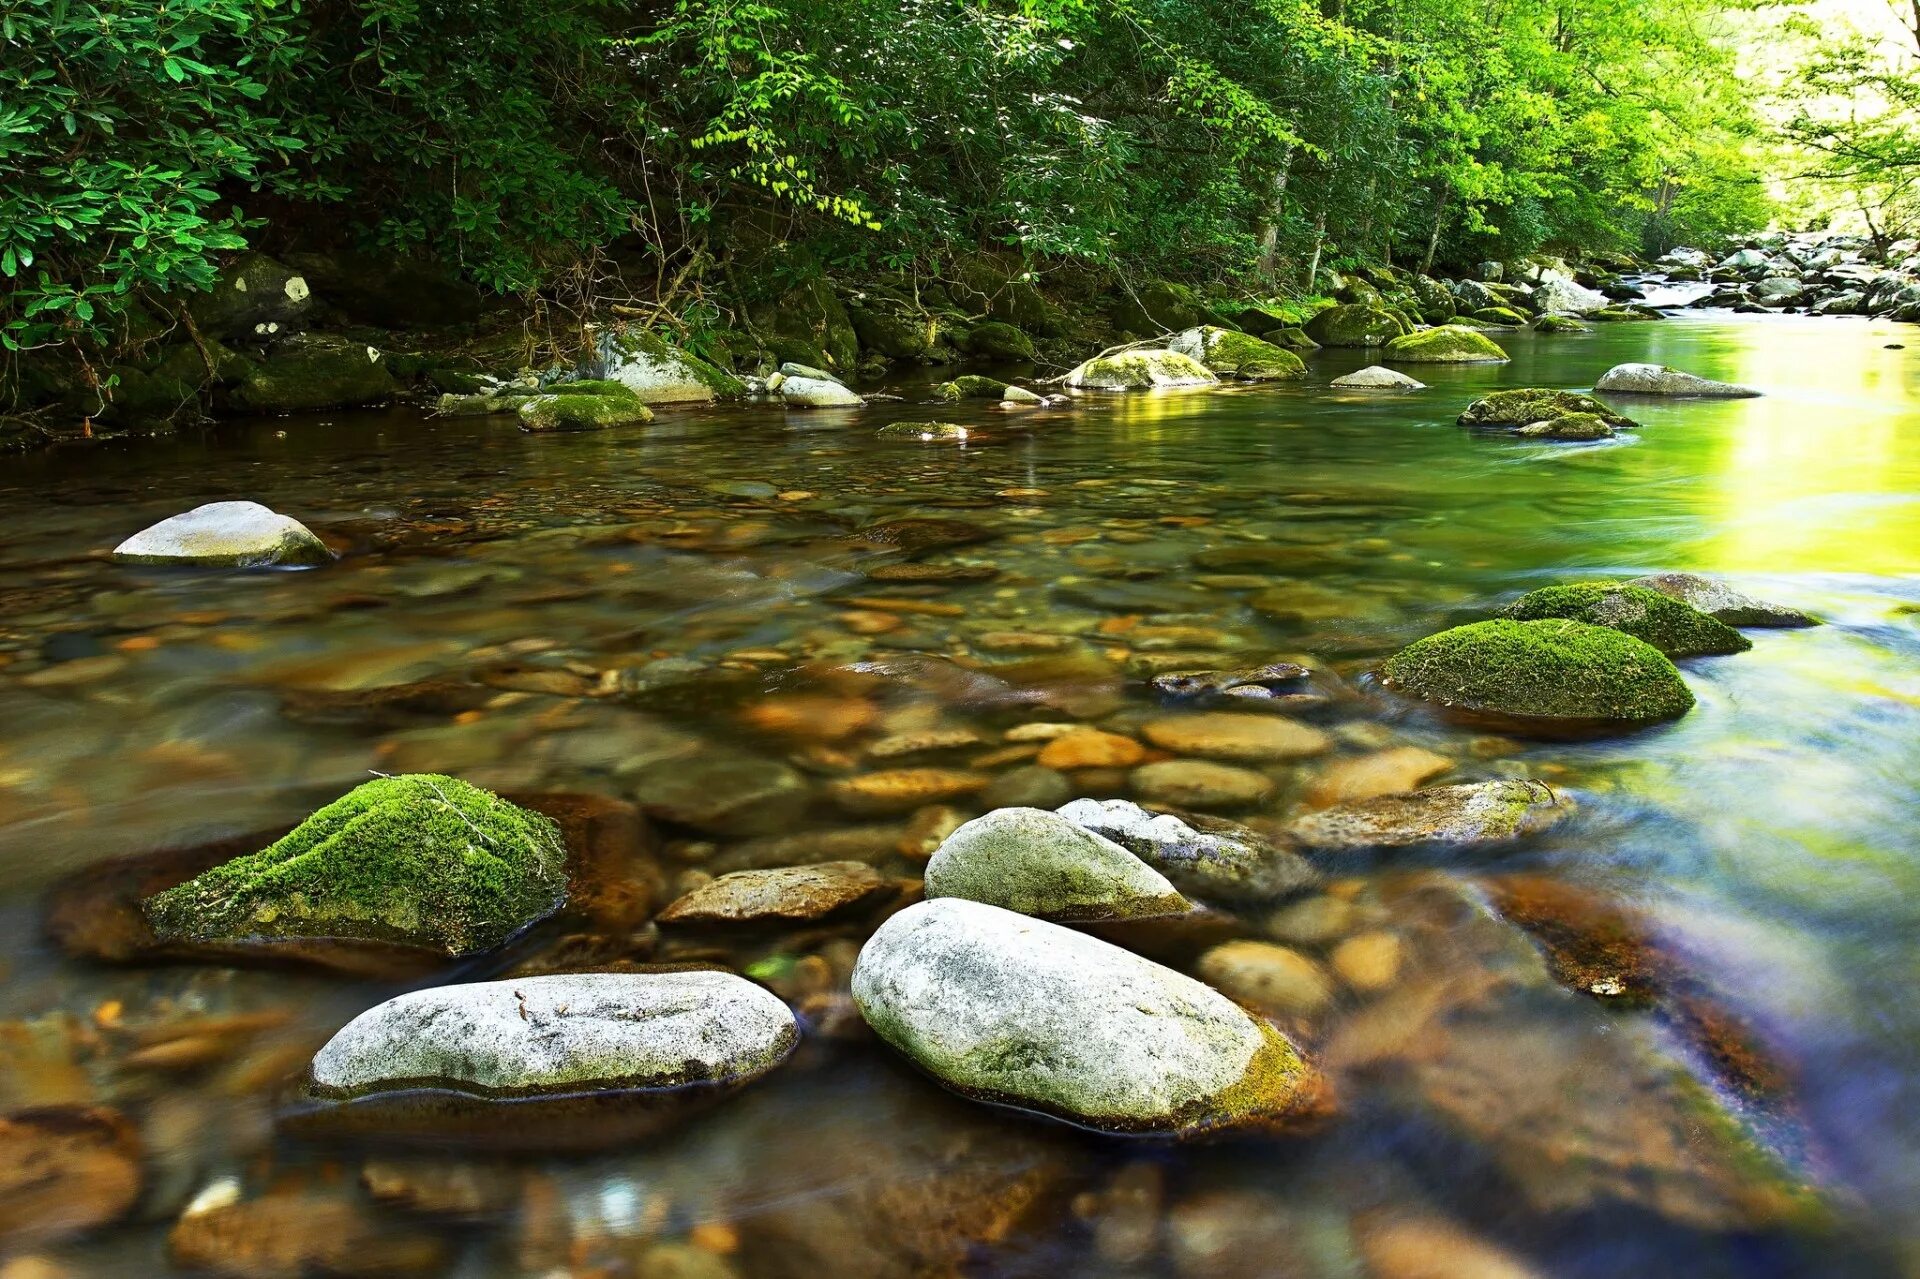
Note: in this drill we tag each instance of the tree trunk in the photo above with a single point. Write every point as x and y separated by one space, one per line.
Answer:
1270 233
1433 240
1319 242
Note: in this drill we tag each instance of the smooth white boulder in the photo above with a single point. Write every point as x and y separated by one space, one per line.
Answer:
1008 1009
1564 296
237 534
1142 370
561 1034
1658 379
1042 864
1376 377
660 373
816 393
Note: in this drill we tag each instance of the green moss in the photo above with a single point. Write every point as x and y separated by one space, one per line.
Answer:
569 411
1554 670
1448 344
419 860
1140 371
1574 427
1502 315
309 373
1357 324
1560 324
619 392
656 347
971 386
1531 404
1616 314
1158 307
1676 629
1240 355
998 340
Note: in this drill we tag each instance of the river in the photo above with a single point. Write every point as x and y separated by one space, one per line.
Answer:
694 597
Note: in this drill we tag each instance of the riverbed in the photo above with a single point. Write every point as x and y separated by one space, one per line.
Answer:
706 615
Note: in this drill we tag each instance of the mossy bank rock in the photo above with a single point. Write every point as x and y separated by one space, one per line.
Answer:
1143 370
583 406
1007 1009
1676 629
657 372
997 340
1527 405
1356 324
1448 344
1238 355
1575 428
309 372
1560 324
1544 673
421 860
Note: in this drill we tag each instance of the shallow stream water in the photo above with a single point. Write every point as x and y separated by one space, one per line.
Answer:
695 615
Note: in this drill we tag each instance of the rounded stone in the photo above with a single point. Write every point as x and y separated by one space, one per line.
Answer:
1448 344
1378 378
562 1034
1041 864
1675 628
1472 815
780 895
1658 379
235 534
1194 783
1007 1009
1243 738
1139 370
1271 979
1206 856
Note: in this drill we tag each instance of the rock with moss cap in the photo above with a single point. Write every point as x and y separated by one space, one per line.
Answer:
1041 864
1676 629
1469 815
583 406
1718 600
1356 324
1658 379
1527 405
567 1033
1237 355
1020 1012
1544 674
1448 344
1575 428
658 372
1552 323
419 861
233 534
998 340
1141 370
309 372
925 432
972 386
1499 317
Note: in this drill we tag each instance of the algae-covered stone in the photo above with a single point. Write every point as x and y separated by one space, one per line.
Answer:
1658 379
1159 306
236 534
1552 323
1021 1012
1376 377
1527 405
254 296
1623 314
1718 600
1504 317
310 372
418 860
566 1033
1469 815
1042 864
1448 344
1676 629
998 340
658 372
1542 671
1576 428
925 432
583 406
1356 324
972 386
1237 355
1141 370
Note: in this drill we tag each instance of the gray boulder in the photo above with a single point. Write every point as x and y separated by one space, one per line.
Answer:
1561 295
1007 1009
562 1034
1042 864
1472 815
1658 379
236 534
1376 378
1205 856
814 393
1141 370
1722 602
657 372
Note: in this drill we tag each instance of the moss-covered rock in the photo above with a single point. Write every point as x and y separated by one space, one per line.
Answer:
420 860
890 329
1527 405
1237 355
658 372
1357 324
1575 428
254 297
139 398
1560 324
1436 303
1293 339
583 406
810 324
925 432
1141 370
309 372
972 386
998 340
1542 672
1158 307
998 288
481 404
1501 316
230 534
1676 629
1621 314
1448 344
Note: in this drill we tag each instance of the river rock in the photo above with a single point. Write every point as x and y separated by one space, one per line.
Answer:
1376 377
1139 370
1356 324
1382 772
1528 405
254 297
419 860
1274 681
817 393
1019 1011
658 372
1559 324
583 406
1718 600
1470 815
1448 344
1042 864
1237 355
291 1234
901 790
722 793
64 1169
1544 674
1658 379
1195 783
1275 980
235 534
1560 294
1574 428
309 372
1206 856
559 1034
925 432
781 895
1675 628
1242 738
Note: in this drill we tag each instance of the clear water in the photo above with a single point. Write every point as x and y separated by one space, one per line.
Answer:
1766 841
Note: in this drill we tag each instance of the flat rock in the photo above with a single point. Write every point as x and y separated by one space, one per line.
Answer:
1206 856
1658 379
1197 783
1275 980
1377 377
63 1170
1018 1011
1470 815
781 895
901 790
1718 600
1241 738
562 1034
1042 864
233 534
1384 772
